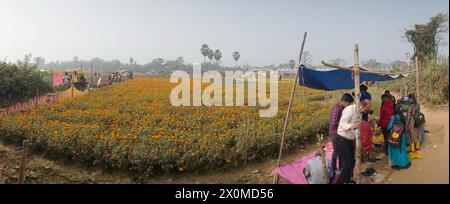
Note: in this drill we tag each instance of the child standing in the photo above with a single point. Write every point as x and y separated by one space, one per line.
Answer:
377 136
366 140
386 112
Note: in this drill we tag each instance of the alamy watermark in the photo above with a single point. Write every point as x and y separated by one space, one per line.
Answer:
212 94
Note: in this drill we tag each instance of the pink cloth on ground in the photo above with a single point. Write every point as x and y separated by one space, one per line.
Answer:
293 172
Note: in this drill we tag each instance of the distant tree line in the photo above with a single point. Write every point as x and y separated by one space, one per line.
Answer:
159 65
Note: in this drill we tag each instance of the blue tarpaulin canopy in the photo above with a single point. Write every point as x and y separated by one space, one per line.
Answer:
337 79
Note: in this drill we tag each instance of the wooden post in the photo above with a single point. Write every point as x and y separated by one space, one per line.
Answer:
92 76
406 89
322 157
23 161
417 78
356 71
303 91
247 131
275 178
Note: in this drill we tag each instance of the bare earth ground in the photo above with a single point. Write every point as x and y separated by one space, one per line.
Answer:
433 168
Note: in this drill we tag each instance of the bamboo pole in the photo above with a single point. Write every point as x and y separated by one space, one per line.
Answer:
275 178
406 90
417 78
92 76
247 130
365 71
356 71
23 161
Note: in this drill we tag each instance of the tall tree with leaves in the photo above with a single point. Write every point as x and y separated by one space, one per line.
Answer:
217 56
236 56
205 51
426 38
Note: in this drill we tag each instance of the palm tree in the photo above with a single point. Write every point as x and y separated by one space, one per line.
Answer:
217 56
292 64
210 54
205 51
131 61
236 56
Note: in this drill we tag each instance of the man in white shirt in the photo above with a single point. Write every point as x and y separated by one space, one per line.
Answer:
345 143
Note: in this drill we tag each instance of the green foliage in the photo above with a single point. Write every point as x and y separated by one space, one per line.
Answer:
21 81
426 37
433 82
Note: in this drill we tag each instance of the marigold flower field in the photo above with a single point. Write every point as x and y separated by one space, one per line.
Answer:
132 126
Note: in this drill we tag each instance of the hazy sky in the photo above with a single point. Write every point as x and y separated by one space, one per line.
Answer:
264 31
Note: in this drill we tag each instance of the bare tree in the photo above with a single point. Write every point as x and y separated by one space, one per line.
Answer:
307 58
40 62
338 61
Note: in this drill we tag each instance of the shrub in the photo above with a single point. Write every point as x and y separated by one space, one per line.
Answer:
434 83
20 82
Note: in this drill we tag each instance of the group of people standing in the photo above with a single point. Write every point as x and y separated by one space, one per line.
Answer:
400 122
114 78
117 77
77 80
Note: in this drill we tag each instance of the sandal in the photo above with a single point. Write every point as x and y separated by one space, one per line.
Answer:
418 155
